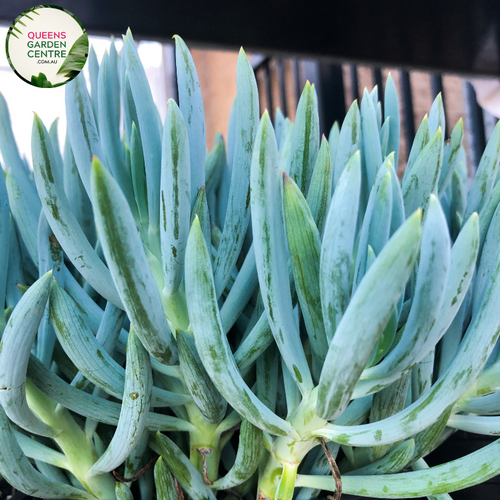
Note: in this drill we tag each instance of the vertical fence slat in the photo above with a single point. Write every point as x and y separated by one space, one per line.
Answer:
436 85
408 115
377 80
475 125
331 95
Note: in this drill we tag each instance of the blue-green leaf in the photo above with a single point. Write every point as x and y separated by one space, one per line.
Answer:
62 220
12 159
394 461
333 141
349 140
211 404
26 220
51 257
421 178
148 126
211 342
175 197
421 139
270 253
462 263
247 457
305 139
486 174
82 128
320 188
17 341
375 230
391 103
436 116
93 76
371 139
183 470
241 291
134 410
164 482
78 198
191 105
366 317
122 247
462 473
338 245
88 355
450 156
476 346
54 138
17 470
238 208
114 156
4 249
93 407
304 245
279 126
432 276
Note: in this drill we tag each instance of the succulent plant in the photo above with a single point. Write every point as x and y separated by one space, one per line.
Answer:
279 316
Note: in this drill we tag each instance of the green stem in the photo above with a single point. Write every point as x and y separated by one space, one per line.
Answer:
287 453
78 450
287 482
270 479
205 444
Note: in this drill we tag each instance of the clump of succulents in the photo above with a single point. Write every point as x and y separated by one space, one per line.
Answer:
277 317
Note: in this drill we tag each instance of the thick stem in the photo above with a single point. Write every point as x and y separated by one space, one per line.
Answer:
205 446
287 453
270 479
286 456
287 482
78 450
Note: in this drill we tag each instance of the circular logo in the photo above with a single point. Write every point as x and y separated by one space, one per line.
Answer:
47 46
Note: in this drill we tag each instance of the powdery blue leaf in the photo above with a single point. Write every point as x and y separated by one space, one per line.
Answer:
62 220
191 105
238 208
338 245
17 470
148 126
421 178
305 139
349 140
391 108
134 410
17 341
175 197
125 256
486 174
211 342
366 317
270 253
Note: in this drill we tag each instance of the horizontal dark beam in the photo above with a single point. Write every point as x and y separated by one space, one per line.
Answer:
460 36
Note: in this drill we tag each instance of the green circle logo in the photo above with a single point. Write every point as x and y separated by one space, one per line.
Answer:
47 46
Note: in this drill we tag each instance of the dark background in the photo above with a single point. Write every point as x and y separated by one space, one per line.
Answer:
460 36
